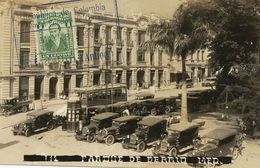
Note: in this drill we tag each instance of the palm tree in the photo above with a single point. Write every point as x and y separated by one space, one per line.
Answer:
181 36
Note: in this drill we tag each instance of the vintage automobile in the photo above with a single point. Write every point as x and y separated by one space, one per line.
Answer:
148 130
120 128
144 95
118 107
219 142
97 122
36 121
180 137
189 84
209 82
96 109
133 106
151 106
172 104
13 105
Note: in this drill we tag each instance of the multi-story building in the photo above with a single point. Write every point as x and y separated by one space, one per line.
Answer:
107 54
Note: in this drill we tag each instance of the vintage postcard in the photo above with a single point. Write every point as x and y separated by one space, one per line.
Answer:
130 83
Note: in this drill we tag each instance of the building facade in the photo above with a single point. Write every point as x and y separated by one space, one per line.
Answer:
107 54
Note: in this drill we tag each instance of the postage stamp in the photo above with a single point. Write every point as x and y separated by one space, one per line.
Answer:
55 36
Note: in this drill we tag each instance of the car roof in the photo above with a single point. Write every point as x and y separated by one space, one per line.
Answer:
182 126
213 77
157 99
105 115
221 133
126 118
97 106
151 121
39 112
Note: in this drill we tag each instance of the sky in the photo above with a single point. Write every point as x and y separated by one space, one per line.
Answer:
163 8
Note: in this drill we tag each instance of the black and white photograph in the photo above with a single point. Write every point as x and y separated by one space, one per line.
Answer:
131 83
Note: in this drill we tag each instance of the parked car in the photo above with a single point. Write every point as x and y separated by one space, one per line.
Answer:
172 104
97 122
180 137
189 84
118 107
133 106
151 106
144 95
209 82
36 121
218 142
96 109
120 128
148 131
12 105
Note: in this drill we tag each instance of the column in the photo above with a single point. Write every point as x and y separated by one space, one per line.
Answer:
60 84
16 87
156 77
102 52
114 47
31 87
46 85
134 81
102 77
206 71
124 46
72 83
124 76
147 77
134 49
147 52
85 82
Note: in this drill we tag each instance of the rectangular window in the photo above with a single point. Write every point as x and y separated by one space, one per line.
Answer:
25 32
80 36
140 55
128 57
23 88
108 34
198 55
96 56
141 37
202 55
24 58
96 34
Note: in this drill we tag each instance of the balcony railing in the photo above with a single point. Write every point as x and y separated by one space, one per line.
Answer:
141 62
31 66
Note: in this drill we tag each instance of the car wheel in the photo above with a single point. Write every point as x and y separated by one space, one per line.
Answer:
91 137
24 109
110 139
167 109
235 153
136 112
141 147
154 112
173 152
50 126
28 132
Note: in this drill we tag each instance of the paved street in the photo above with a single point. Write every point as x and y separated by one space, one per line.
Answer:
58 142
